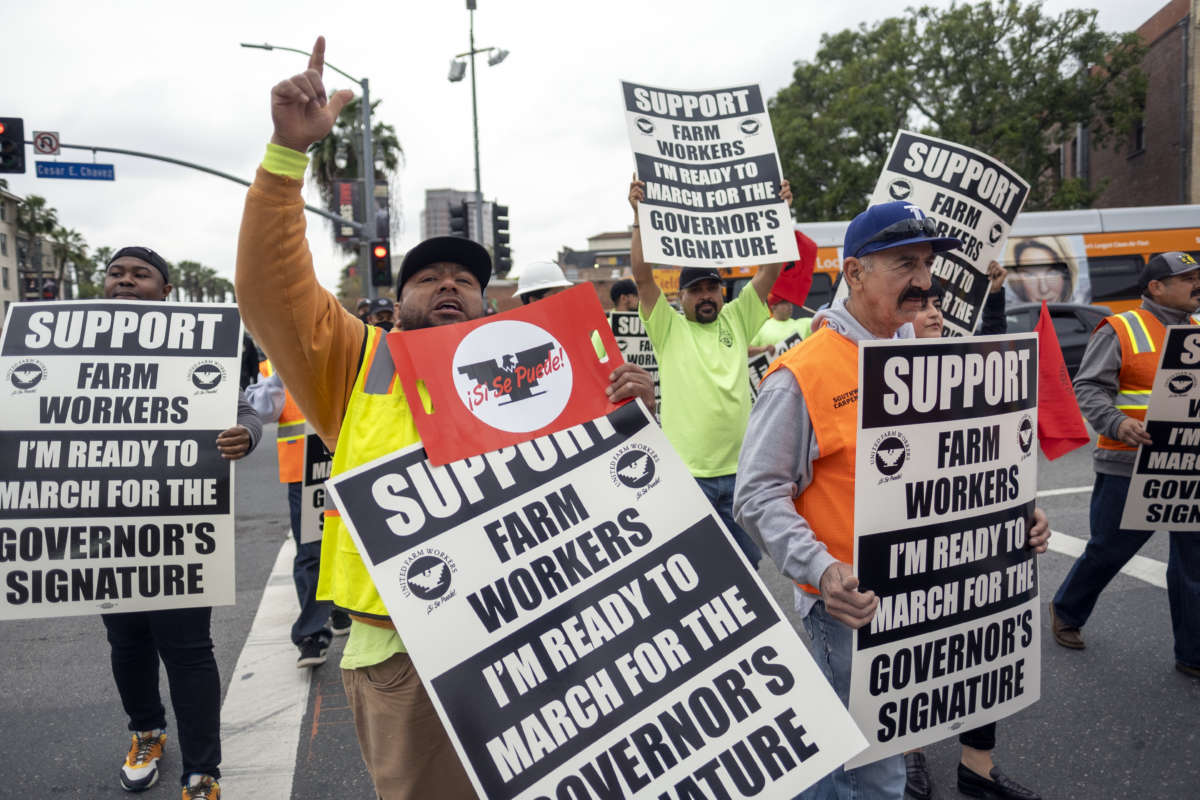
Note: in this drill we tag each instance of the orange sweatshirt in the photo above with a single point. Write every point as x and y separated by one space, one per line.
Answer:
314 343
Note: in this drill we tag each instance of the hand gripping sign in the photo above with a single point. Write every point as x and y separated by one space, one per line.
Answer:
501 380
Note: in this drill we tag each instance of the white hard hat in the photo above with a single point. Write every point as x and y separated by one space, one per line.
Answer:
540 275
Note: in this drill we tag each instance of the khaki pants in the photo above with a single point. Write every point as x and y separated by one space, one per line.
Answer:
403 743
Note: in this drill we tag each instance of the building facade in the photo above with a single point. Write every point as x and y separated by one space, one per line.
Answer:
1158 163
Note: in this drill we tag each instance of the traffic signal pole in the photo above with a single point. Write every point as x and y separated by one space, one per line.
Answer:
475 124
367 164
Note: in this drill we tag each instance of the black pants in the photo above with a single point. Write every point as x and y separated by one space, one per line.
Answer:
180 637
982 738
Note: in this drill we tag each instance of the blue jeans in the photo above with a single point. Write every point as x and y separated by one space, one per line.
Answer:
719 491
1110 547
313 615
878 780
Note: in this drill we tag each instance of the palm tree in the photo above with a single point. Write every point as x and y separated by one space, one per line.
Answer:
34 219
342 145
186 277
68 246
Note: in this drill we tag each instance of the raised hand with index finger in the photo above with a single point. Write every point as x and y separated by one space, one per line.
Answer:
300 110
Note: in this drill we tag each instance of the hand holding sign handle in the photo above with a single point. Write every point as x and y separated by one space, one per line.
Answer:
300 111
843 600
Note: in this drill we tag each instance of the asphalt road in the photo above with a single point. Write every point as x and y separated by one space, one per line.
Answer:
1115 720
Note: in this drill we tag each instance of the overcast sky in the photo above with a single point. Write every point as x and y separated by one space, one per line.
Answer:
170 78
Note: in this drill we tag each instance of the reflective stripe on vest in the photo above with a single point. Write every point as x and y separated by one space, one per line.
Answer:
825 366
1141 339
377 422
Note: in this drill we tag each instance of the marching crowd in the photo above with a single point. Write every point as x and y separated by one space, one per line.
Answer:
780 473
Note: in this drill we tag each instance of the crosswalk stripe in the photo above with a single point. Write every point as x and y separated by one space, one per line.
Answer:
1150 570
263 709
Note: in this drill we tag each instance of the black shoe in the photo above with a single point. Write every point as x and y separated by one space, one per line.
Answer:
1187 669
339 623
312 652
917 783
1000 787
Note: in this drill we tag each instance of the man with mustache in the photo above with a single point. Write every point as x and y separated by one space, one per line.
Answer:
703 372
796 471
343 379
1113 387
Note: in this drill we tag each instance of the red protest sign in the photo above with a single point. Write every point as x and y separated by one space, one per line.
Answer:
500 380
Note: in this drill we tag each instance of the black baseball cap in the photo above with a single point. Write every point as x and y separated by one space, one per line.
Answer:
1167 265
382 304
145 254
691 275
451 249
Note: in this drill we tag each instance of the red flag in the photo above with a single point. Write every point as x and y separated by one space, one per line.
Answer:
1060 424
797 276
505 379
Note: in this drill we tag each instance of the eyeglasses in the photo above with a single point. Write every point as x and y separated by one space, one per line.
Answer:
904 229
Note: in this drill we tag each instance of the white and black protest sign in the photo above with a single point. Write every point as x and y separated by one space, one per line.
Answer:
1164 492
114 496
318 462
944 493
635 344
761 363
609 639
972 197
712 177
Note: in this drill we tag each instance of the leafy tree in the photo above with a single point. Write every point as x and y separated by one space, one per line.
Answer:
345 141
89 275
996 75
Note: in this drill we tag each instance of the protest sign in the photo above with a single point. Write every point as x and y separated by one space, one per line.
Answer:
635 345
318 462
712 177
972 197
609 639
114 497
499 380
762 362
944 491
1164 492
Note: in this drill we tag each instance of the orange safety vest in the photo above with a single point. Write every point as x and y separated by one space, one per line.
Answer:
826 369
289 436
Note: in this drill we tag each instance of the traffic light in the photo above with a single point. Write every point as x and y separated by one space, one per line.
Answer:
458 220
49 289
12 144
501 253
381 263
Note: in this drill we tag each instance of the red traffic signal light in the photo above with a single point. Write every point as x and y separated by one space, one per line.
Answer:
12 144
381 263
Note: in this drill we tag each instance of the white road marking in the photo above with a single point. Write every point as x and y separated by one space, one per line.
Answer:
262 712
1068 490
1150 570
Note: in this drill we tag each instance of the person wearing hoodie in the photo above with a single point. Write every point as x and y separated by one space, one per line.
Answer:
795 487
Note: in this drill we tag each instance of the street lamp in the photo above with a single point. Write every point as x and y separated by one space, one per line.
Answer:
365 233
457 68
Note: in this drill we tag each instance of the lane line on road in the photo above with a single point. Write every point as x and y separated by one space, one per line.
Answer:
1150 570
1068 490
263 709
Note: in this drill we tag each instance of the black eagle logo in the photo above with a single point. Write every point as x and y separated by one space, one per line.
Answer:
205 376
493 376
1180 384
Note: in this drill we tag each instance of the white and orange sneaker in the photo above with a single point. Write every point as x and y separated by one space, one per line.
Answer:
140 770
201 787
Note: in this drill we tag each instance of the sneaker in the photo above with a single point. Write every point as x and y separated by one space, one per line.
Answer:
202 787
140 770
339 623
312 652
